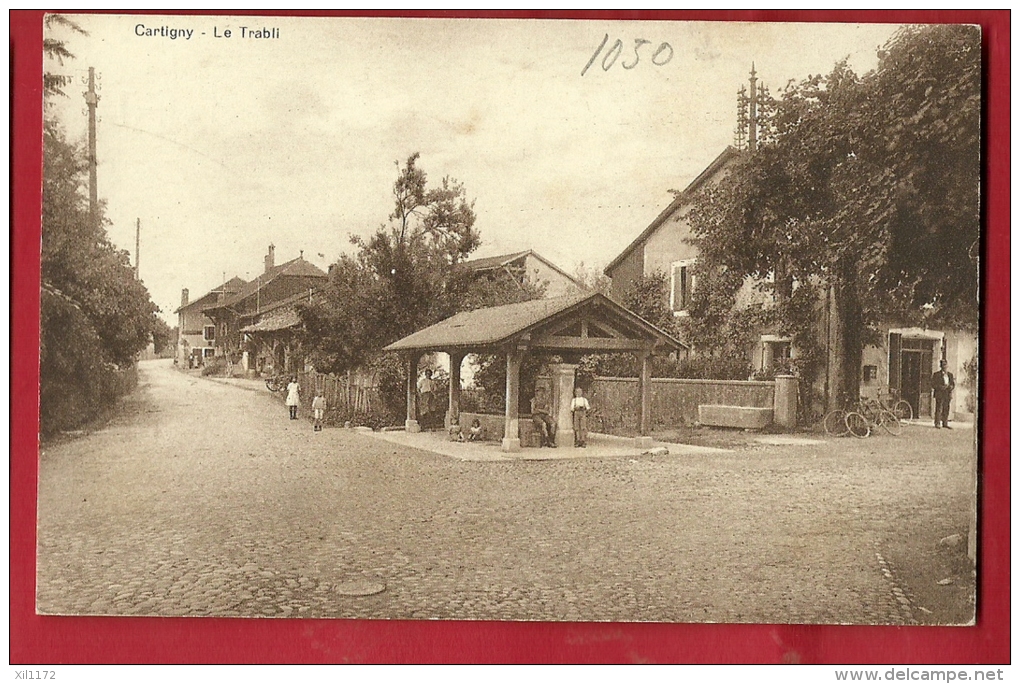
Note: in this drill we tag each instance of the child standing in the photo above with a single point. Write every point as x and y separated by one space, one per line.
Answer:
293 397
579 408
319 407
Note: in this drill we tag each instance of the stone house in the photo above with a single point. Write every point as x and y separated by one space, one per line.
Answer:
196 339
260 301
902 361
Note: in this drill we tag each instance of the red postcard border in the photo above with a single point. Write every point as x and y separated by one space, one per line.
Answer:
38 639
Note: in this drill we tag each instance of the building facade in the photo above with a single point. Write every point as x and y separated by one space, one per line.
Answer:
901 363
196 338
268 295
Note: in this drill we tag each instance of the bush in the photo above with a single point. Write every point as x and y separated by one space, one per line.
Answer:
375 418
216 366
75 384
389 368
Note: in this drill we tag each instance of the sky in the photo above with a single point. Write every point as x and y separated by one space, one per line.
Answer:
222 145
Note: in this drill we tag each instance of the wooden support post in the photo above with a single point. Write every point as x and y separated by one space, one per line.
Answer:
411 424
453 412
511 429
645 392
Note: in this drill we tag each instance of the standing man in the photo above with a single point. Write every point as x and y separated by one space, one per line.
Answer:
942 385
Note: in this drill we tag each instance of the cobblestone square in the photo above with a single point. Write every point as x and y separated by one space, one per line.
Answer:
203 499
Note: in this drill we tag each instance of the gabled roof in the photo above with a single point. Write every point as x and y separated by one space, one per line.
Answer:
295 267
729 153
493 262
496 262
230 287
494 326
289 301
280 319
279 315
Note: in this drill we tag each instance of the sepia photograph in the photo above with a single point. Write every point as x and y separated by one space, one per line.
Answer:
496 319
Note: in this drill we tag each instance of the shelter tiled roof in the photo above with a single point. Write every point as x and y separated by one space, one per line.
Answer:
492 326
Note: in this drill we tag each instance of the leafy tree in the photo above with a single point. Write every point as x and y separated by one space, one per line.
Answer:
162 335
866 186
649 299
404 277
592 279
95 316
79 261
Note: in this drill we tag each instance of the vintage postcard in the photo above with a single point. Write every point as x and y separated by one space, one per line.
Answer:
509 319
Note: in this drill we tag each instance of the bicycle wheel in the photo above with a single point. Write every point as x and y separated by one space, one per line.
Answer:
903 410
890 423
857 425
835 423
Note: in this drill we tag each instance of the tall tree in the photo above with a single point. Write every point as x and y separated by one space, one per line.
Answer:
402 278
95 316
867 186
56 50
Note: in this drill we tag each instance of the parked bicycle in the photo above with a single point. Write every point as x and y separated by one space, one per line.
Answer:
870 417
860 419
834 421
891 401
277 383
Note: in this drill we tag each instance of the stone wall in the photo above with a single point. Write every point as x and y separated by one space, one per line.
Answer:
615 401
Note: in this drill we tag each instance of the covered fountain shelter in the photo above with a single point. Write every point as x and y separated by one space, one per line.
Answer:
571 325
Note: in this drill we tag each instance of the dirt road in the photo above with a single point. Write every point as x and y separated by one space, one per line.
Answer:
204 499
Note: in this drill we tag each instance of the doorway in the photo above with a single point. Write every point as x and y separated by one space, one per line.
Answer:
915 364
911 391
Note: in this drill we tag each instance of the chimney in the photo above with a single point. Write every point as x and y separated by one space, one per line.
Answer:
270 258
184 297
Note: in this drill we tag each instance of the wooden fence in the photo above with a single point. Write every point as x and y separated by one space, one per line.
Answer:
615 401
345 401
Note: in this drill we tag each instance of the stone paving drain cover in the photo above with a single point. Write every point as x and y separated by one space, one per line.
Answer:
360 587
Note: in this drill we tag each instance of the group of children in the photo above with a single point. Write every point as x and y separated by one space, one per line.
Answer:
544 424
294 400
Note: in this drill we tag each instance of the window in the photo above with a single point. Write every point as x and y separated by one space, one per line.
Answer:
870 373
209 333
776 353
681 286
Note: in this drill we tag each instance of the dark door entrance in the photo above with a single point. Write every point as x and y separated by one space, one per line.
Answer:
911 379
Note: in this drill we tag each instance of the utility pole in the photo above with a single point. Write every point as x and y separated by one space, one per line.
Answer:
752 116
138 242
92 100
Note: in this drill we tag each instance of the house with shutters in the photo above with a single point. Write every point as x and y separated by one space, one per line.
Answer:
266 304
902 362
196 339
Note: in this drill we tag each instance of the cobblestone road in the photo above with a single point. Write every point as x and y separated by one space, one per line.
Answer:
204 499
